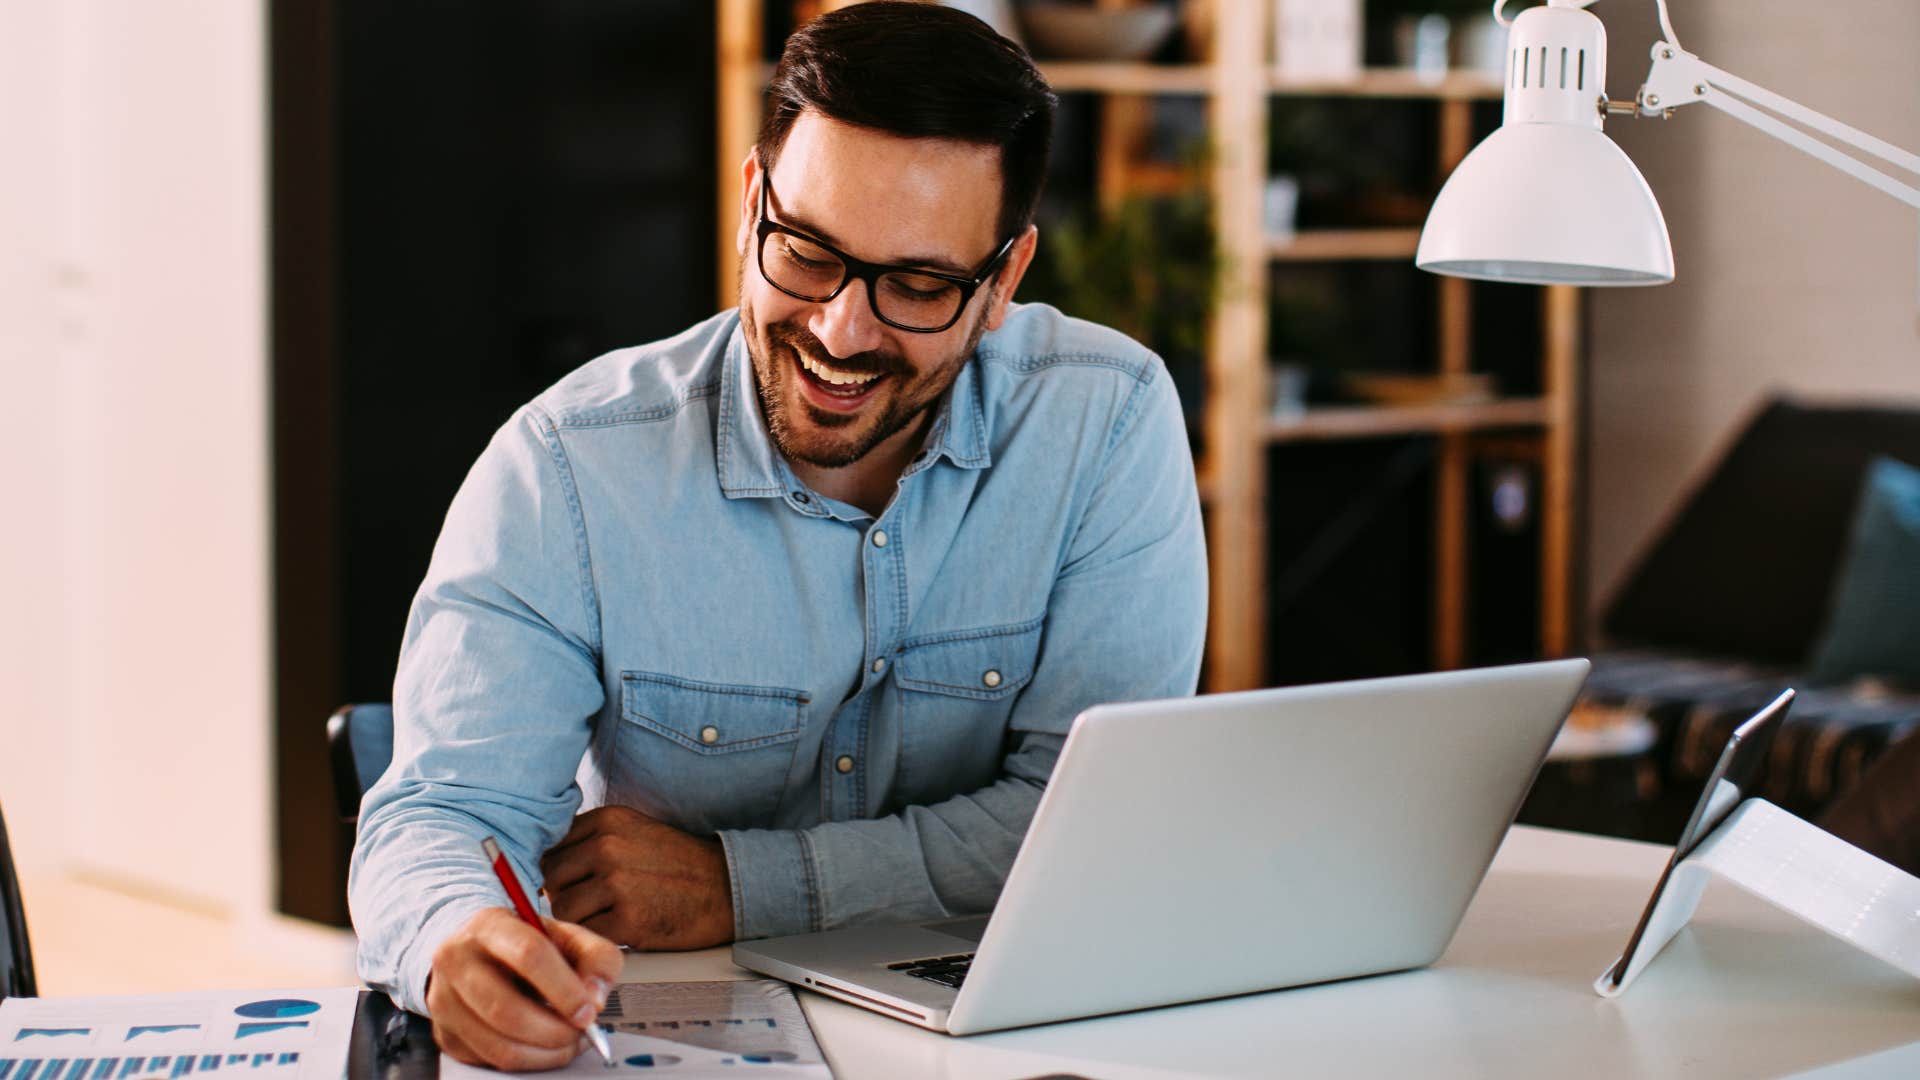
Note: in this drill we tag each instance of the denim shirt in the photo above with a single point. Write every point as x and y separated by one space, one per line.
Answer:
634 601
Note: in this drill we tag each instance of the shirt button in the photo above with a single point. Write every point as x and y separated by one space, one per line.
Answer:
879 664
991 678
709 734
801 497
879 538
844 764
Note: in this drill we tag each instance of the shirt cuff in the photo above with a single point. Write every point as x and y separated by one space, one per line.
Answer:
776 889
417 963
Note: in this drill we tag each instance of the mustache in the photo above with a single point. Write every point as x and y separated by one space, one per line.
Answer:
874 362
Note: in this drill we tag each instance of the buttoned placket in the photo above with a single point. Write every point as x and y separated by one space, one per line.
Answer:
843 767
880 554
883 576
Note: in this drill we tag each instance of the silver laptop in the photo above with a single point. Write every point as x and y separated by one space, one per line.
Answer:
1218 845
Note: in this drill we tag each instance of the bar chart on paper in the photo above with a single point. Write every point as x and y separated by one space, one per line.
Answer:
173 1067
693 1030
299 1035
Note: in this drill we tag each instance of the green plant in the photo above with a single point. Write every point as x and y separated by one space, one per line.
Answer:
1149 269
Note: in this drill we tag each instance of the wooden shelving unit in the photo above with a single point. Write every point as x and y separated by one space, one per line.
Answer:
1240 87
1384 421
1124 78
1316 245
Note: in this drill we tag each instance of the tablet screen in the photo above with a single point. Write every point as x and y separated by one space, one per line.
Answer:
1734 777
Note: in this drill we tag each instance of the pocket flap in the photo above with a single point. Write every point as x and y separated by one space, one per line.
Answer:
712 718
992 662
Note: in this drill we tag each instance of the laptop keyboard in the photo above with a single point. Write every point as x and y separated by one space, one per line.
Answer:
945 970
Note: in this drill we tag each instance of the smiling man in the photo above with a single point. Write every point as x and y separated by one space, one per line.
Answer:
799 604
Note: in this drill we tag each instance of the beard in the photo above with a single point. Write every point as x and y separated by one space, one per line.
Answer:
806 433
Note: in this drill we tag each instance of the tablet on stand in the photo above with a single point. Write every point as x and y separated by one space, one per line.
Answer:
1790 863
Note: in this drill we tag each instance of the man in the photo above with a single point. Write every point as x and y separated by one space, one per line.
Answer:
802 601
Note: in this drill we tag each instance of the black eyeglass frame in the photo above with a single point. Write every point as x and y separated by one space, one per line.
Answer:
870 273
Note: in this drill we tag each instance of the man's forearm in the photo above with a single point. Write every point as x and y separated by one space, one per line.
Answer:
924 862
417 876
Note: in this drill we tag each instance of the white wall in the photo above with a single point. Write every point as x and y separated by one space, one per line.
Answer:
134 465
1790 274
33 719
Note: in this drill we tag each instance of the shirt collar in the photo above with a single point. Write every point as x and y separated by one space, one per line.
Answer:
750 466
960 427
745 451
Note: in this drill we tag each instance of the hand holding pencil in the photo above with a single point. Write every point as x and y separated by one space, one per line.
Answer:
511 991
523 907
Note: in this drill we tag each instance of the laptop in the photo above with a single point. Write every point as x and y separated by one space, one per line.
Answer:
1218 845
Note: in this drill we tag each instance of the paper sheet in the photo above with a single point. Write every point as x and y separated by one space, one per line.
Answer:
751 1027
222 1035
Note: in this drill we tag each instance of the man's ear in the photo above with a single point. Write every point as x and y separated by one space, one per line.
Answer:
1011 272
749 200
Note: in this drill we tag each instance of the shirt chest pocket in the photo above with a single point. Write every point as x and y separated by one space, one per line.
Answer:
956 692
706 756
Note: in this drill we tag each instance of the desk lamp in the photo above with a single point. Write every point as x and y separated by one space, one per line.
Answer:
1547 199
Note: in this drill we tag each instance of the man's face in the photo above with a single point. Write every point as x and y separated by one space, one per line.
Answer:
834 380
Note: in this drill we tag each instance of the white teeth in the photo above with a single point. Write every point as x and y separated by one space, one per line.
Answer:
834 375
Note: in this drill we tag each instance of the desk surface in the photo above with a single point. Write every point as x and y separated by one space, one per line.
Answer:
1745 991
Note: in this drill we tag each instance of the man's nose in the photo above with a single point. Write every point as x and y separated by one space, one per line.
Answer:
846 324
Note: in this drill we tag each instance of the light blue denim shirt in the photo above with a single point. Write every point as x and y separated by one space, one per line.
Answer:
634 601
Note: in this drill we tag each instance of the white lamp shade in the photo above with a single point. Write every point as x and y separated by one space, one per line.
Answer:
1547 204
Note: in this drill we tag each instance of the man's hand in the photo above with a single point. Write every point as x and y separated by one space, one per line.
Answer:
503 996
640 881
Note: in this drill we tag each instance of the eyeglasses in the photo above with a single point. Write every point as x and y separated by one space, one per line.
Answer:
904 297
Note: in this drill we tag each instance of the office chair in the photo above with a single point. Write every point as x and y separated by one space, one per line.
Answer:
16 955
360 742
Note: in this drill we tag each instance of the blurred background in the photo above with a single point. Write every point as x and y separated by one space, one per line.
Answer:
272 271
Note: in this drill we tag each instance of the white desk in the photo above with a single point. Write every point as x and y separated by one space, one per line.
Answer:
1746 991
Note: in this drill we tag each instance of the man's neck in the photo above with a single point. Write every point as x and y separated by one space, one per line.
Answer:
870 482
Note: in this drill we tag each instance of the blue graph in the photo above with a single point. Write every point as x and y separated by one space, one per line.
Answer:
277 1009
117 1068
263 1028
50 1032
159 1029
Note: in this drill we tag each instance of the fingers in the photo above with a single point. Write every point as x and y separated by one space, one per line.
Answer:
567 866
591 954
607 925
465 1032
522 951
580 902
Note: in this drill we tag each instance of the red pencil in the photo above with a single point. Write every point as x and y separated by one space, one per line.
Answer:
596 1034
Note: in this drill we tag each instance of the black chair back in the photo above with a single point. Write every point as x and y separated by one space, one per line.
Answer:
16 955
360 744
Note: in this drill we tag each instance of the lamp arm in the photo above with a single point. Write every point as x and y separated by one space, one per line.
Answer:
1681 78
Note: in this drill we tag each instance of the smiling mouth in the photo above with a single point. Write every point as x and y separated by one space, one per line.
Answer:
835 380
835 389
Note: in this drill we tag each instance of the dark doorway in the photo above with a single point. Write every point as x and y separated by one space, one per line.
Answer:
469 200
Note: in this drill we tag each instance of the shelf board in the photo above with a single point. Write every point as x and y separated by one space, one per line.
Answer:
1121 77
1379 421
1117 77
1344 244
1393 83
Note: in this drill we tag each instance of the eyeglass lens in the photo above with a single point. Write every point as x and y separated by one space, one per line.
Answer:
811 272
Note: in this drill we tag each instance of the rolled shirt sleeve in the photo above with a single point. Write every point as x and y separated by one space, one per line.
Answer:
497 687
1125 621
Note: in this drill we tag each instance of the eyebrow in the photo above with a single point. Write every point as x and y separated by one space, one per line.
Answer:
925 262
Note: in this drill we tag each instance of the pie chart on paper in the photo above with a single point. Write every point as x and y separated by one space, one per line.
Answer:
277 1009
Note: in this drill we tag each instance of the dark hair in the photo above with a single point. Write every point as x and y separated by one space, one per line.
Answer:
920 70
